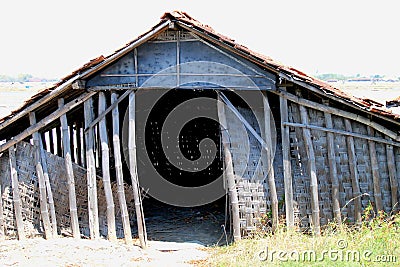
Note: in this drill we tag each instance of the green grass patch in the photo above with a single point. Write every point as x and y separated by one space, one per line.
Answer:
376 242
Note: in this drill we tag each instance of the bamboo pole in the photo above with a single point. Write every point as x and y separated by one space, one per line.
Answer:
133 170
44 211
312 171
287 169
44 122
105 164
48 188
353 173
73 210
119 172
91 173
333 170
16 194
375 172
2 222
392 176
229 171
270 163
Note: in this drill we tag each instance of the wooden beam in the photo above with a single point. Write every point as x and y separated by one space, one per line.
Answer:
339 112
105 164
333 170
2 221
392 176
91 173
105 112
353 173
44 211
52 208
342 132
119 172
229 171
287 168
16 194
375 171
44 122
270 164
312 169
73 210
79 84
133 170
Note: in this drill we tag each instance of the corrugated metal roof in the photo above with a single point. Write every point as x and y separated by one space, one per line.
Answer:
186 19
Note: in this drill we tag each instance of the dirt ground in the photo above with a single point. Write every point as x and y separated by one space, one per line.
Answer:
65 251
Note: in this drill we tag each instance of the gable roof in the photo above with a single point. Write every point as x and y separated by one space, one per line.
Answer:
185 21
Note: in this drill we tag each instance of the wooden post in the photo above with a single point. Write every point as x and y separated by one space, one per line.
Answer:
71 139
44 211
49 190
229 171
354 173
332 169
16 194
91 173
287 169
133 170
119 172
2 223
73 210
270 163
79 155
392 176
312 171
105 164
375 171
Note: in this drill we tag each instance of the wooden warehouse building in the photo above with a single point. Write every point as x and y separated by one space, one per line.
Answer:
278 137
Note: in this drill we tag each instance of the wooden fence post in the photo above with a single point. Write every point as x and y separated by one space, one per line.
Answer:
105 164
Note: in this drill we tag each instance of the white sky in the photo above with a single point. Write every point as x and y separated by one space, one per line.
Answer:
52 38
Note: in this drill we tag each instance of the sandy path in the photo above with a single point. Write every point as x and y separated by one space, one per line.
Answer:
70 252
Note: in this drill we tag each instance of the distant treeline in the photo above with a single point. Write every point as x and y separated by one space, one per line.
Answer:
22 77
341 77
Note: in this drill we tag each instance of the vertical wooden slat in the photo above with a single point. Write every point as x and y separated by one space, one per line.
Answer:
105 164
119 172
133 170
376 180
392 176
2 222
287 170
73 210
79 155
333 170
91 172
229 174
353 173
71 139
44 211
312 171
49 190
270 166
16 194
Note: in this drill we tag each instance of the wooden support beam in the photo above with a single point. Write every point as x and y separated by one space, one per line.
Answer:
16 194
79 153
44 122
333 170
339 112
52 208
71 139
105 164
133 170
44 211
119 172
270 164
2 221
73 210
287 168
91 172
392 176
312 169
375 171
229 174
353 173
